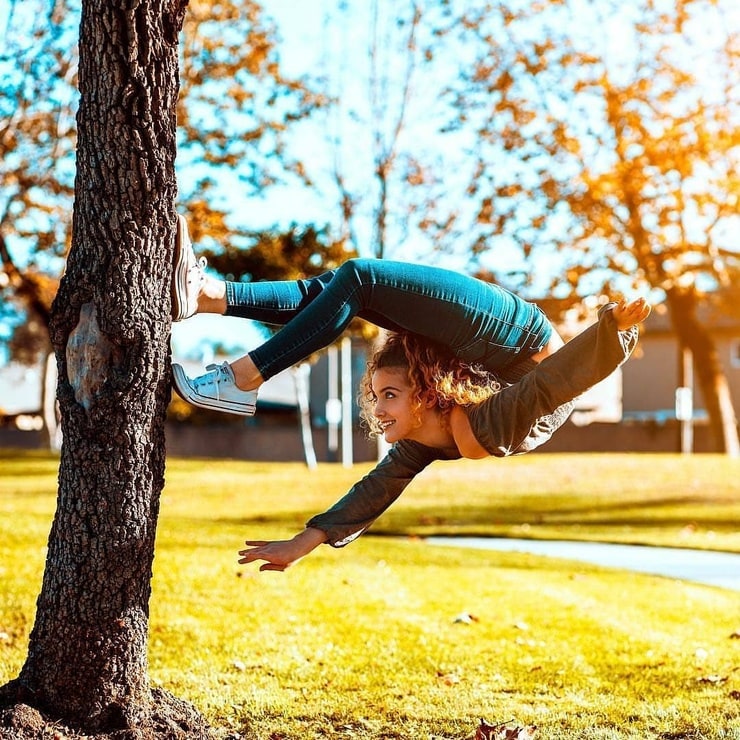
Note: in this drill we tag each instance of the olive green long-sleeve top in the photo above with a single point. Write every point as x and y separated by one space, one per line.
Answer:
517 419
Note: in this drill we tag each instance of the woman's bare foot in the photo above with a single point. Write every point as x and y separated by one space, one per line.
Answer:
628 314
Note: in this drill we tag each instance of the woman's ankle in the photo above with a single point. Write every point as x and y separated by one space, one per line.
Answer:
246 375
212 297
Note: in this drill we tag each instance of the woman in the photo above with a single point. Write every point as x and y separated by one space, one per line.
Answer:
471 370
431 406
479 322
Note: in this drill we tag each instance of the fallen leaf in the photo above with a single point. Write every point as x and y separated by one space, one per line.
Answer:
500 731
465 618
449 679
712 679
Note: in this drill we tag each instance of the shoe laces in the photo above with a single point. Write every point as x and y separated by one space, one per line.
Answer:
196 271
217 374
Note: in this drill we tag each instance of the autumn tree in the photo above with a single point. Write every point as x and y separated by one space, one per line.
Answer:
393 57
607 144
38 75
379 158
87 657
234 111
292 254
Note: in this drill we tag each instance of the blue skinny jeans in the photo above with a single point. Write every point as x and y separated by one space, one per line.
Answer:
480 322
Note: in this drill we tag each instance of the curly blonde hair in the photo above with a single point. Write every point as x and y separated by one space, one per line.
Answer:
429 367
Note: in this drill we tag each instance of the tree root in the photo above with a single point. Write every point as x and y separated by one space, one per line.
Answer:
168 718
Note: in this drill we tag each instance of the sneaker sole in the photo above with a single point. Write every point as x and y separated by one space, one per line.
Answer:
181 385
179 275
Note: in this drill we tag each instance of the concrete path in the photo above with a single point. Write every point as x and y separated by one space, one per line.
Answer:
719 569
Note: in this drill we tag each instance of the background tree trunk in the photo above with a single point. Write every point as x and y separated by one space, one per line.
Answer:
712 380
87 657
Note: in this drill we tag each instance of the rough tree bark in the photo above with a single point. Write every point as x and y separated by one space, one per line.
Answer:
87 656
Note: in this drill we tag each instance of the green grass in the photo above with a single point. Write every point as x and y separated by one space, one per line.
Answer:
363 642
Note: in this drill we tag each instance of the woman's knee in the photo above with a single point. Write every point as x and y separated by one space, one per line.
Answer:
358 270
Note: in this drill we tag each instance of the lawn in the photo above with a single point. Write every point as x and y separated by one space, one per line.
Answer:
393 638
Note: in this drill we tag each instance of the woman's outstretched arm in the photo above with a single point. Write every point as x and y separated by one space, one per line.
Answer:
523 416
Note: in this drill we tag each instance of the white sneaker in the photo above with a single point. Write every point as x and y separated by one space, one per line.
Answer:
215 390
187 274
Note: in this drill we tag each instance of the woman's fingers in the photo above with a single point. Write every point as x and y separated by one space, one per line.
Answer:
273 566
629 314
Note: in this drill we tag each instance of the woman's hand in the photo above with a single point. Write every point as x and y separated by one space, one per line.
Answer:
281 554
628 314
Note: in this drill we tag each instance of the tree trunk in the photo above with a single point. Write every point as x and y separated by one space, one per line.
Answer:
712 379
87 657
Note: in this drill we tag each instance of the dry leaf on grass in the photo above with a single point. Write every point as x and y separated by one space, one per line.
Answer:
500 731
449 679
712 679
465 618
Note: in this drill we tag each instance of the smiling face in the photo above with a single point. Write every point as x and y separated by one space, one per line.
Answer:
395 408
